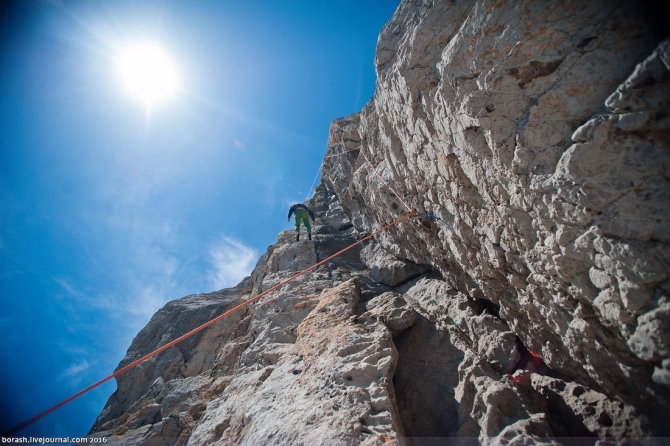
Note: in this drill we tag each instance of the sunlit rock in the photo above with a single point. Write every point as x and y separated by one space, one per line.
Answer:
529 301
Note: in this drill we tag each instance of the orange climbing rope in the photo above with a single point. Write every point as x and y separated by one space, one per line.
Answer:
195 330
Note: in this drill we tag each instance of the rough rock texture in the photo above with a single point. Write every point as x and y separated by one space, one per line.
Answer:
333 383
537 131
388 269
298 367
535 305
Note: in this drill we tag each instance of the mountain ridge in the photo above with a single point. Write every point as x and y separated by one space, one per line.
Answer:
536 304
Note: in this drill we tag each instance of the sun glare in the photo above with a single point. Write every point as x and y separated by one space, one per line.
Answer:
147 72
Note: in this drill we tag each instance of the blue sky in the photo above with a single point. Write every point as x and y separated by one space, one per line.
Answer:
107 213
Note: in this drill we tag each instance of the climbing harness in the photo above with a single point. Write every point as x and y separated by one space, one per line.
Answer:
196 330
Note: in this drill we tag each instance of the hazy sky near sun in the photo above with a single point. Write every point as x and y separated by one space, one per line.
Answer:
108 212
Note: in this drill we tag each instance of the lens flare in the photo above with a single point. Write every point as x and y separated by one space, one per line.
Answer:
148 72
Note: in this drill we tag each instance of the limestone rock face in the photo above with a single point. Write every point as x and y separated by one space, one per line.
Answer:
296 367
537 131
150 391
529 300
388 269
333 383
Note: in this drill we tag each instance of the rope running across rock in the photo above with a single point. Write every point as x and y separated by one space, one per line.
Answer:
233 310
196 330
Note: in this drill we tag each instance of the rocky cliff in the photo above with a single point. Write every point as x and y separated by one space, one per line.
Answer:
534 301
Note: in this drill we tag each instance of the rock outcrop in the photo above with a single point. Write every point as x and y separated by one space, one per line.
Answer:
533 300
538 133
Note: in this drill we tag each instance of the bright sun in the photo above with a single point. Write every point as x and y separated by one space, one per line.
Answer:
147 72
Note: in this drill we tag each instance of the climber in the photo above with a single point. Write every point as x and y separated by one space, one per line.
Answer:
302 213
